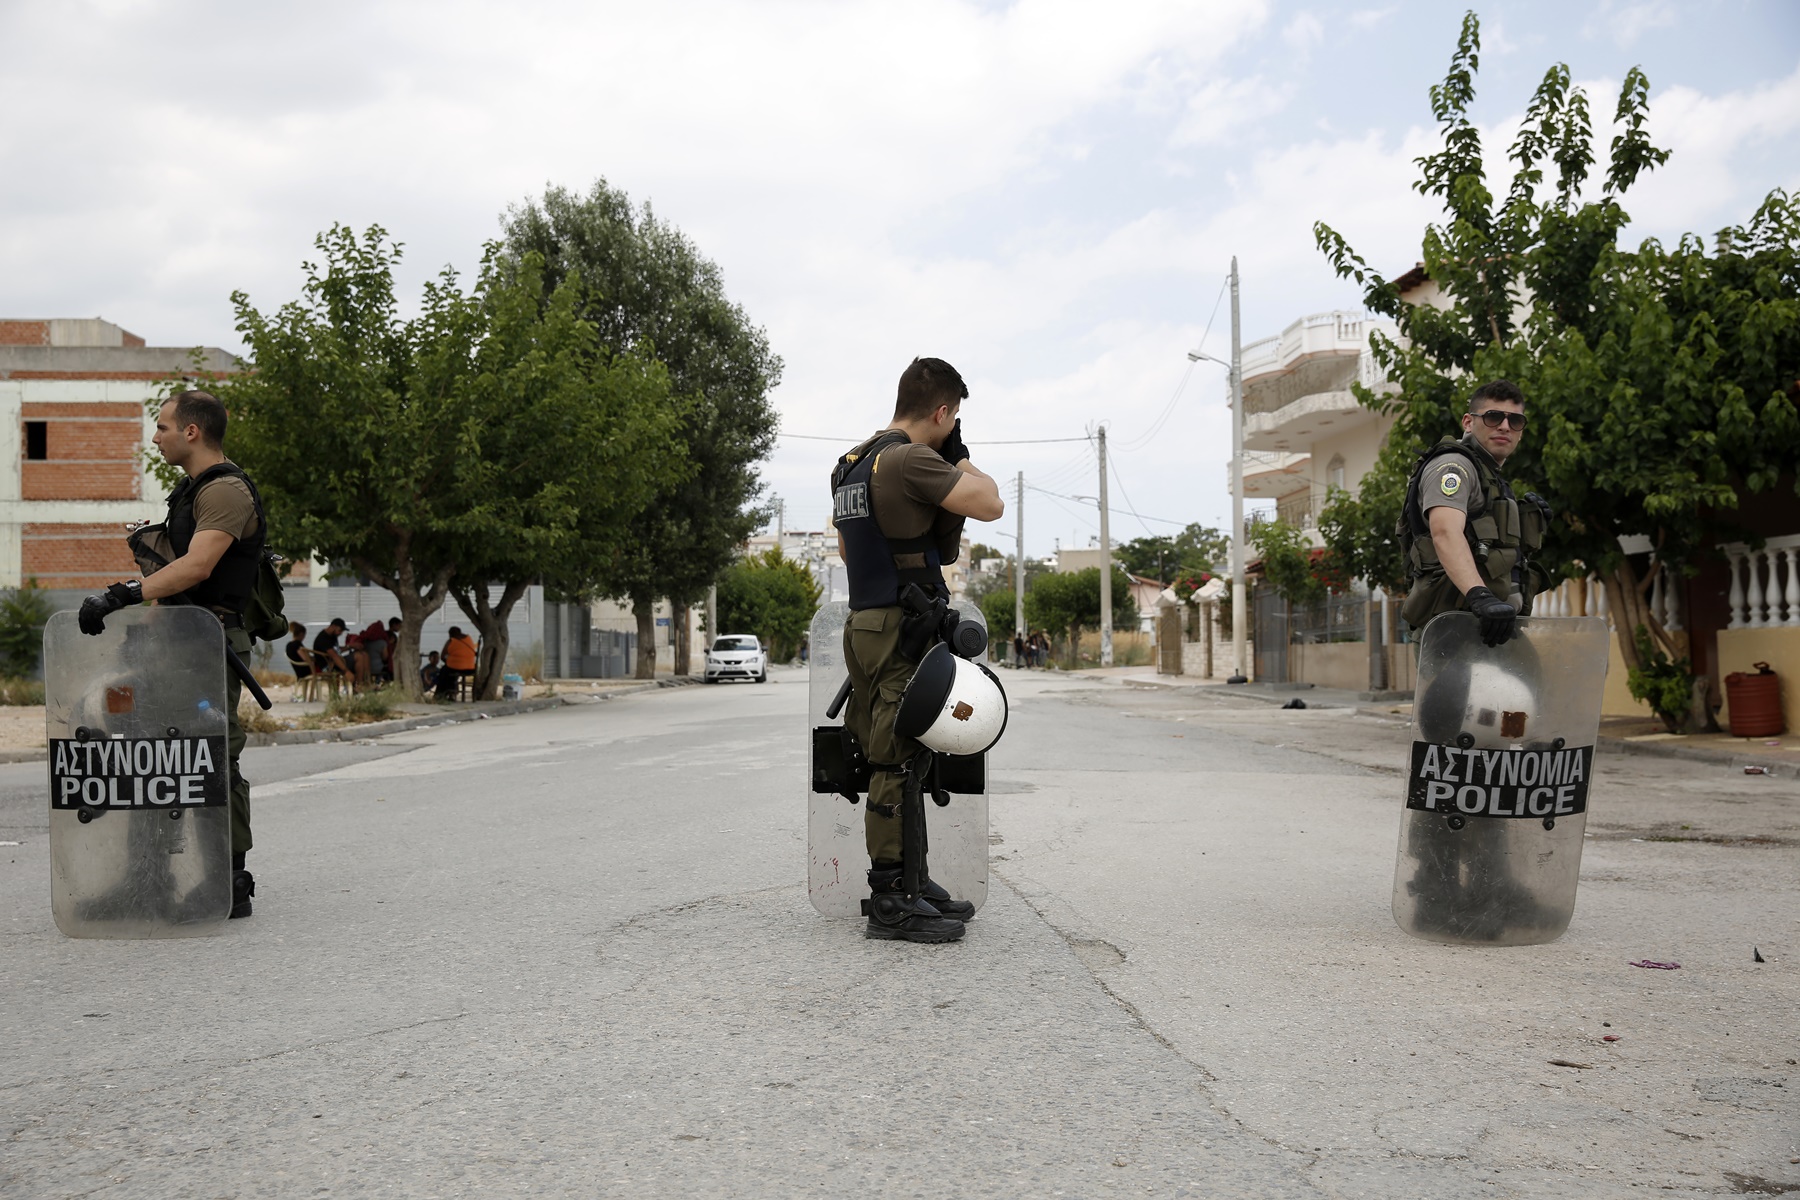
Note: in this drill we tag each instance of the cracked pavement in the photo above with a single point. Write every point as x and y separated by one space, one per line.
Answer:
571 953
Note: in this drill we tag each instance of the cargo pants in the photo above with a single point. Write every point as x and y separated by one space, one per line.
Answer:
878 676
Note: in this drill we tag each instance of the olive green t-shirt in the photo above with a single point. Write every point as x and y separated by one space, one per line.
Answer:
224 504
906 492
1447 482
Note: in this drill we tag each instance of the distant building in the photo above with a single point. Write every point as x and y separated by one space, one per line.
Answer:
73 429
1304 432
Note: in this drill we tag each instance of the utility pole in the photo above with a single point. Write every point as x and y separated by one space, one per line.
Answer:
1106 655
780 520
1237 486
1019 560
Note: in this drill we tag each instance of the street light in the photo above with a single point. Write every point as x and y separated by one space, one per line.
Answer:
1236 367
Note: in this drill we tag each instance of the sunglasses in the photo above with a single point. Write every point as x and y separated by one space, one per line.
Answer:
1495 418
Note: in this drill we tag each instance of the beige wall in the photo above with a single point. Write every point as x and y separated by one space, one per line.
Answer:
1739 649
1331 664
1617 701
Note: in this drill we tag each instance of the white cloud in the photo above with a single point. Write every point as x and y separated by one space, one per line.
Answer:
1044 193
1303 33
1625 22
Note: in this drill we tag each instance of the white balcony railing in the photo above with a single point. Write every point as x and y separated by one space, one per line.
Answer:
1765 584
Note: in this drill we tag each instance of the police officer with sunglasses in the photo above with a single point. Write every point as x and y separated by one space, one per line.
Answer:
1468 541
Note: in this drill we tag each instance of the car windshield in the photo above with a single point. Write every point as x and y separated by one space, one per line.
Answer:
735 643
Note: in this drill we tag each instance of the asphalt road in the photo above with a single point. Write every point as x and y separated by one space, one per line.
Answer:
570 953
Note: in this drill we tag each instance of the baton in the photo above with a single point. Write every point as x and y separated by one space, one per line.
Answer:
243 673
837 704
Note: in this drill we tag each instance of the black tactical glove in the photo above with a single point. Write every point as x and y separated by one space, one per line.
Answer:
94 610
953 449
1496 615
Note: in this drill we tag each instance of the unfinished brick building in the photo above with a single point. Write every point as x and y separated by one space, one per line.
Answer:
73 428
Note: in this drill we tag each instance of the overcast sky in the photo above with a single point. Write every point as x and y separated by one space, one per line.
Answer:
1046 194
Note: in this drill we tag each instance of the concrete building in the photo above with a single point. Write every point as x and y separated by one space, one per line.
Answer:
73 428
1304 432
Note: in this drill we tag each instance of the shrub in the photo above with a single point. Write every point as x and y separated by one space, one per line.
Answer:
23 611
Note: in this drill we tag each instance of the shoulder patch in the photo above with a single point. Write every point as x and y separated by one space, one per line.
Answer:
1451 482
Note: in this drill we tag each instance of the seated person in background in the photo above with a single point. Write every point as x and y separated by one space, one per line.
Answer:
459 660
428 674
296 651
358 658
325 649
375 645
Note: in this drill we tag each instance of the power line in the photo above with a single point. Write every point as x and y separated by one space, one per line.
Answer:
1032 487
1169 408
1134 512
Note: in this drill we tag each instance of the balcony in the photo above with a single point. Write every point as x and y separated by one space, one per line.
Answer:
1269 476
1297 385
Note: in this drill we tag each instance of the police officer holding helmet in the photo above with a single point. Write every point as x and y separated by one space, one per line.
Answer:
900 499
215 534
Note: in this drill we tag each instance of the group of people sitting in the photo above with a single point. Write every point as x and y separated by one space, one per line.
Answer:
366 659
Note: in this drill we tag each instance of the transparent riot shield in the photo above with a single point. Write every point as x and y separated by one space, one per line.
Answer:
1496 793
837 854
140 829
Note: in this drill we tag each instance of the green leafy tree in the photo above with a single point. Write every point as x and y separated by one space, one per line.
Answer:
1196 549
1065 604
1660 383
649 289
769 595
999 608
569 442
358 425
23 612
1289 562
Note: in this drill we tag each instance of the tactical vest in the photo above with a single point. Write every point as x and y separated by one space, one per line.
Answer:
1502 536
878 566
232 580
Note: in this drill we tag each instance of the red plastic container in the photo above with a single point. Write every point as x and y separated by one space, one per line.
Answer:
1755 702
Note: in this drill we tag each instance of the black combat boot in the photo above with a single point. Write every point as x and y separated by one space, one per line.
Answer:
887 897
891 878
243 886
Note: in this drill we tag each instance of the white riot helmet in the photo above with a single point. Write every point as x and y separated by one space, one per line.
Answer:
952 705
1501 709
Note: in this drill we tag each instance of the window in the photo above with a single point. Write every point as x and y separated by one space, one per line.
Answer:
37 441
1334 472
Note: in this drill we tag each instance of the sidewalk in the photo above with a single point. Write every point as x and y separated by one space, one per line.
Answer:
22 734
1779 756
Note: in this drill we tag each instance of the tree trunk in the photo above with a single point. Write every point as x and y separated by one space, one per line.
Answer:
644 609
496 635
416 604
683 651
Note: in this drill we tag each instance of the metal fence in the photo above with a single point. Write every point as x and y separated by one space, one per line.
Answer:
1340 618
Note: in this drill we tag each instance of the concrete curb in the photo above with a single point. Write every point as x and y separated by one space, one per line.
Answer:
1778 768
375 729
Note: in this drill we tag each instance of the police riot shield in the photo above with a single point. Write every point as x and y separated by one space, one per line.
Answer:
140 829
1497 789
837 854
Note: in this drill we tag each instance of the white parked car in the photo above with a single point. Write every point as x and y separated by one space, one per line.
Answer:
737 656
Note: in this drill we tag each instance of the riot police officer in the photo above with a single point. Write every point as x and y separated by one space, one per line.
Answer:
215 532
900 499
1469 543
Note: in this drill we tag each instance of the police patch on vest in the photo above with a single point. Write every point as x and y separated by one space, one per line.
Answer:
170 773
1499 783
1451 483
850 502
